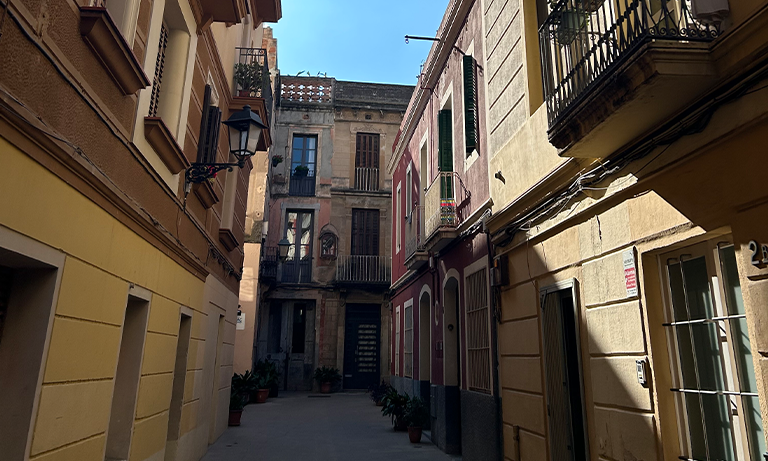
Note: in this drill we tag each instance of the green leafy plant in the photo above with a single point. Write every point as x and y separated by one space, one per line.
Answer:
377 391
394 406
327 375
267 371
249 76
301 170
245 383
237 401
416 413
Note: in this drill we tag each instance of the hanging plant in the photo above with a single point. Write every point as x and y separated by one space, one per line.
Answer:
276 160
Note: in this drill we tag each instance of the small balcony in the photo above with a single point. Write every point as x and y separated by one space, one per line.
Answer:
268 264
367 179
252 86
302 185
364 270
612 70
447 205
416 255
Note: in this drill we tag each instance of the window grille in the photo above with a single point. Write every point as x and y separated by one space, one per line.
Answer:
715 376
158 78
478 333
6 279
408 349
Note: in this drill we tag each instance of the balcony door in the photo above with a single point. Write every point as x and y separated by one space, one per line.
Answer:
303 165
297 267
367 161
366 265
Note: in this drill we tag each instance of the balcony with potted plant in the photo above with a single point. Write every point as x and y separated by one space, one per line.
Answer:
614 70
252 86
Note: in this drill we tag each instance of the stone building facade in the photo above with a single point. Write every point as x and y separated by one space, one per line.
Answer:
118 285
329 197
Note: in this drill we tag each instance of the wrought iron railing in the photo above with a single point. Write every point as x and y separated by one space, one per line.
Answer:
583 41
302 185
414 231
268 263
367 179
446 203
364 269
252 74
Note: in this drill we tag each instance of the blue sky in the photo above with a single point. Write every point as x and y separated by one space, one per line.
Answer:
359 40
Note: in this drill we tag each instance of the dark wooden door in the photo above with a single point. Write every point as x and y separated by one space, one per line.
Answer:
362 345
365 232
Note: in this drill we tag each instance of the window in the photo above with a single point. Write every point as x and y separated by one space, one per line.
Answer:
408 349
398 218
154 101
478 333
563 373
367 162
297 267
397 341
365 232
470 104
299 328
210 128
179 381
408 193
328 244
445 154
713 371
303 159
124 14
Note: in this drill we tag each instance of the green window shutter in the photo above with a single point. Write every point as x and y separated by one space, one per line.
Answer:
445 133
470 104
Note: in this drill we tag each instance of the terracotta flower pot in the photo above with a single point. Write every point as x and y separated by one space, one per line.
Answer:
414 434
325 388
234 417
261 395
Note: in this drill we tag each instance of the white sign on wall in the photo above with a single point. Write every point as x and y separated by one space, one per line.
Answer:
630 272
240 320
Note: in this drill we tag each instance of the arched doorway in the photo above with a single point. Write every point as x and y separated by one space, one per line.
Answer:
452 365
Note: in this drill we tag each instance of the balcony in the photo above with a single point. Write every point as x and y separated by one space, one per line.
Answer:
302 185
446 206
252 86
612 70
367 179
364 270
416 255
268 265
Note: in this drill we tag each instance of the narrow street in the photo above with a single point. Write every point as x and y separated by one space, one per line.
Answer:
303 426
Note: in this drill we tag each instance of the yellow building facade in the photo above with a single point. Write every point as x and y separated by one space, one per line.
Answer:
118 288
628 226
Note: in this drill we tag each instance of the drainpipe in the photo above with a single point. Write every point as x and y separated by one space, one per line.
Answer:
494 339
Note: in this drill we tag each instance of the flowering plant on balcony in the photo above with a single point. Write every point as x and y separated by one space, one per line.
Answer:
248 77
277 159
301 170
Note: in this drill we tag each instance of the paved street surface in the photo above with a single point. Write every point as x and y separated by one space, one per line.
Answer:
306 427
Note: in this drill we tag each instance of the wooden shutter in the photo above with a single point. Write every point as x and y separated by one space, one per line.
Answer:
367 150
558 404
445 128
470 104
365 232
154 101
210 127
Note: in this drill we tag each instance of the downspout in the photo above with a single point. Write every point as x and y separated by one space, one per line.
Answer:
496 317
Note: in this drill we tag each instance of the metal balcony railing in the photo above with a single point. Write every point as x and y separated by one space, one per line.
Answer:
302 185
414 232
447 203
268 263
364 269
583 41
252 76
367 179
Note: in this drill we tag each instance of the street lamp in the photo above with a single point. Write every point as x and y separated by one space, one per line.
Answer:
282 248
245 129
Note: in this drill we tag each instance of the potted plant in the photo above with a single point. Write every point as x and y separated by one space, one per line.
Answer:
246 384
301 170
268 369
276 160
378 391
394 405
248 77
569 20
326 377
237 401
416 418
262 391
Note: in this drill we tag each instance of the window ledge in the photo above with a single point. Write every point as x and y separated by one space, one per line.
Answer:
204 191
160 138
227 238
98 29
